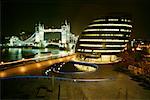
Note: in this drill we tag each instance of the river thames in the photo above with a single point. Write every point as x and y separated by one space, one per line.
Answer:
13 54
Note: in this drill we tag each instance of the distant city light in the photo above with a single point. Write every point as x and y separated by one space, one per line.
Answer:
22 69
2 74
23 59
38 65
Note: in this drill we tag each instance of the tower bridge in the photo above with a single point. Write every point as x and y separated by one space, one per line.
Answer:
38 38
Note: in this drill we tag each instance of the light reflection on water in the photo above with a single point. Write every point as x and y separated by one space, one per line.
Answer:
12 54
15 53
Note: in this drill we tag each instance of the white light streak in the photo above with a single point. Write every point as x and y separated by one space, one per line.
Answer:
126 25
113 19
101 30
98 20
103 35
97 45
103 40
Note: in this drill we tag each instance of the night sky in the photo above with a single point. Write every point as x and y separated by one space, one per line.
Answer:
22 15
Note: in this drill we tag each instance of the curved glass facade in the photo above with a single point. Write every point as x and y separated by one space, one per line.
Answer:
104 38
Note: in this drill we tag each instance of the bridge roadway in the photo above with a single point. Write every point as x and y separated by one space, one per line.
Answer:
28 68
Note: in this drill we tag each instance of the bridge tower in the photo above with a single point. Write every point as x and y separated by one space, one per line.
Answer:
65 34
39 29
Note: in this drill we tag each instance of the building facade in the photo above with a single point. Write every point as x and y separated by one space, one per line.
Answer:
104 38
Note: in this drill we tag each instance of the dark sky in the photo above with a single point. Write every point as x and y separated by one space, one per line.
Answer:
22 15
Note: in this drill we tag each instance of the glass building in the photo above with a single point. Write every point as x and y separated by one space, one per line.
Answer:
104 38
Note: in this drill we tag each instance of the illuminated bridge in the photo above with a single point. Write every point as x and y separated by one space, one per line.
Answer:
29 68
42 37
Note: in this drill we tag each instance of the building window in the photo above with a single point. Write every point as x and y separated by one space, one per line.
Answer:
103 40
112 19
106 51
87 30
126 25
98 45
99 20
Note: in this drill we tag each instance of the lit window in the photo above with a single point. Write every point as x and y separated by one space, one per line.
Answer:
125 20
101 30
53 30
103 40
125 30
91 34
79 49
126 25
122 19
129 20
97 45
90 45
99 20
112 19
126 40
91 30
86 50
127 35
106 51
111 34
115 45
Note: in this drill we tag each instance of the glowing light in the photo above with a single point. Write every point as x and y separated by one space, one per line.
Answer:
91 34
103 34
98 20
97 45
103 40
85 68
53 30
111 34
125 20
58 68
2 62
22 58
79 49
108 58
113 19
125 30
2 74
61 59
144 46
22 69
68 58
126 25
90 45
126 41
46 49
86 50
133 49
127 35
138 48
50 62
38 65
87 30
106 50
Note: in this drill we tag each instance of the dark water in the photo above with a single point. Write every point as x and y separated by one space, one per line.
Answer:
12 54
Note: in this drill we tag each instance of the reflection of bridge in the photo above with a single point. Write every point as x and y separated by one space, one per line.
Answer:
52 43
29 68
37 39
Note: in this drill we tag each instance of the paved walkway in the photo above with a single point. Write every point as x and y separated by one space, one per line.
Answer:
120 88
